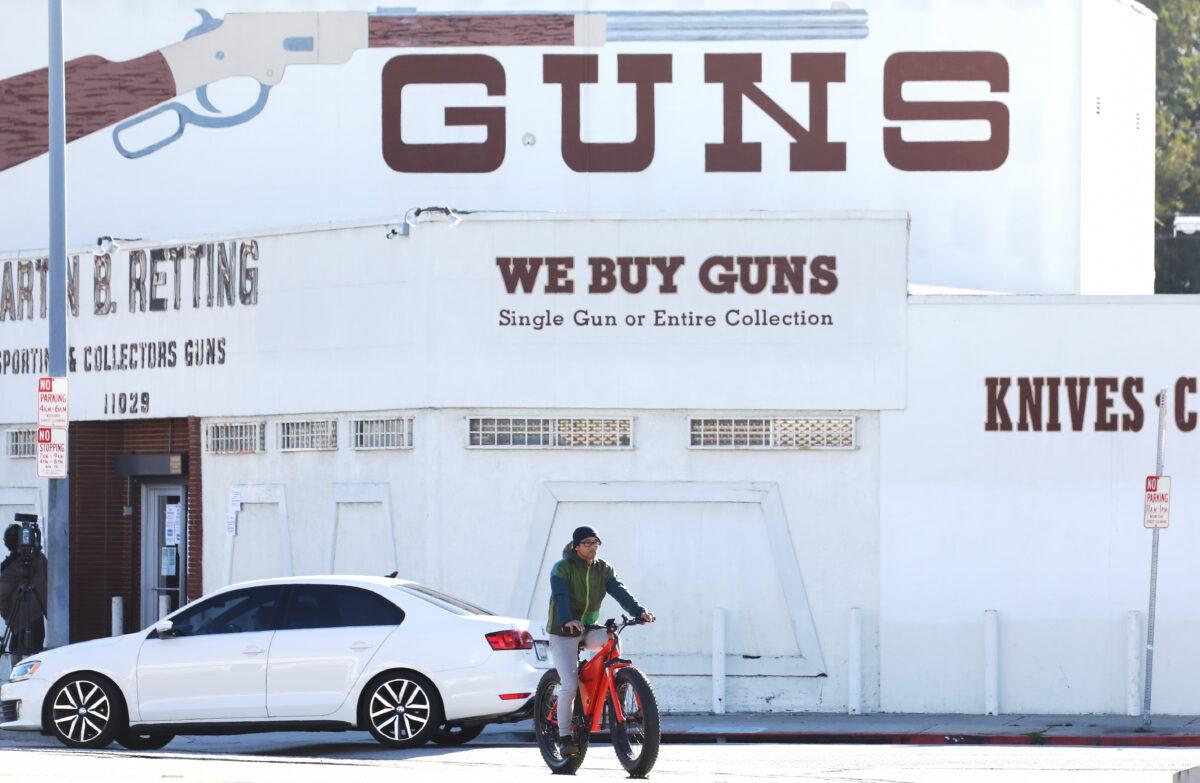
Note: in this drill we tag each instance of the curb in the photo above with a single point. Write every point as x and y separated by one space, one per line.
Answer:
1033 738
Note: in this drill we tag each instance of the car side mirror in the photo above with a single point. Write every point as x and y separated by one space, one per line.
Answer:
165 629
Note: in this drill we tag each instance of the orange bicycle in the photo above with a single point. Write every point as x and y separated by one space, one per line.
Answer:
613 695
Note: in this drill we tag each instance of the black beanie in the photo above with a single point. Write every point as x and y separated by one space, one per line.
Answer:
582 533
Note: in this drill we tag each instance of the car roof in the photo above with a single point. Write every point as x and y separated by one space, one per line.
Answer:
358 580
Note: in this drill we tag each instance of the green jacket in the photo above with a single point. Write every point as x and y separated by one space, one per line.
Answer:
577 590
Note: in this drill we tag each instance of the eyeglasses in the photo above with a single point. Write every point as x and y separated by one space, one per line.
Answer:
590 542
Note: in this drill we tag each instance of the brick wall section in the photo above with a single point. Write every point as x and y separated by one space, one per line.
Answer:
106 545
101 538
195 513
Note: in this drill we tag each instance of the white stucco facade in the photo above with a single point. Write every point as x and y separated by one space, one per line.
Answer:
251 283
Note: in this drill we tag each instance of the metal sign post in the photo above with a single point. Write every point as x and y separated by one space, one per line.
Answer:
57 538
1158 471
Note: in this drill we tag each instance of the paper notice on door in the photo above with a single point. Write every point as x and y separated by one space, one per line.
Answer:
169 561
235 499
231 523
171 521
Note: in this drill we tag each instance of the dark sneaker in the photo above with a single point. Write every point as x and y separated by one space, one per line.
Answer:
567 747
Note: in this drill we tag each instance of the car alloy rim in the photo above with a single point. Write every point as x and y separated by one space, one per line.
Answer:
399 709
80 711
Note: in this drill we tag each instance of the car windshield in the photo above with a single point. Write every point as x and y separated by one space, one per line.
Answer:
443 601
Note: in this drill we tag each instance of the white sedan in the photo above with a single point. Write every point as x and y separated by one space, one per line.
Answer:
323 653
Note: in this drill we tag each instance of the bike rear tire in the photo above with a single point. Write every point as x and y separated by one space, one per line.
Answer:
545 727
637 740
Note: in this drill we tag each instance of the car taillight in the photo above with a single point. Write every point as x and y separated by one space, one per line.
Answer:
510 640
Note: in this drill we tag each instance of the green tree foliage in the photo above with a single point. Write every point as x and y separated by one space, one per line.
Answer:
1177 142
1177 124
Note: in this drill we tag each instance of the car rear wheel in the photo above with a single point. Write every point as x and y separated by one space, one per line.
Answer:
401 709
85 711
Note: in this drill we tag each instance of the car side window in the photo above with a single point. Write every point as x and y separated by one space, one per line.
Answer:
337 606
239 611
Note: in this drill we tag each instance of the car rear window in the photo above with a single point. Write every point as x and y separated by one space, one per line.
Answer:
337 606
443 601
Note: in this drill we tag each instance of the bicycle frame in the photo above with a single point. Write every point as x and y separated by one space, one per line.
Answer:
597 683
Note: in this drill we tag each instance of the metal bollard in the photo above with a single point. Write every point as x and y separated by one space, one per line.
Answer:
118 615
991 663
1133 671
164 606
718 661
854 669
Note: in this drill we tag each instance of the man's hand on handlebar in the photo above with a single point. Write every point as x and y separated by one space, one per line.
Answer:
573 627
647 617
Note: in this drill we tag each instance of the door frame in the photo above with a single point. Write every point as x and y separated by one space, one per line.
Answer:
151 549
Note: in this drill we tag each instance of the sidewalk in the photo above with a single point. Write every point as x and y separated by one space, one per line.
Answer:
906 729
810 727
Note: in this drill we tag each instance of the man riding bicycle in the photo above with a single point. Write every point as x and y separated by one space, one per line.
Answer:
578 584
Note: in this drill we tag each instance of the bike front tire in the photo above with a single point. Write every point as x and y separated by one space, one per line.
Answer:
637 739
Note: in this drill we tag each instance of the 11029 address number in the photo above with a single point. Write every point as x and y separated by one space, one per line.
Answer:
127 402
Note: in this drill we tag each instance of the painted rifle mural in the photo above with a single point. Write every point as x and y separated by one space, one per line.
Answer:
101 93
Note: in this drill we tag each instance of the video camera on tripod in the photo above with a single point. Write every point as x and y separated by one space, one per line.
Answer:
25 628
31 535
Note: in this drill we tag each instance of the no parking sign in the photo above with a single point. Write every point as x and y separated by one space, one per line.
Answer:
1158 501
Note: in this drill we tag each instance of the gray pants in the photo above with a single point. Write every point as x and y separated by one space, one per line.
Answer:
564 651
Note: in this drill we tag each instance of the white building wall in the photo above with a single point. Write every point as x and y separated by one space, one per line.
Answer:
21 491
314 153
1044 527
462 520
1116 151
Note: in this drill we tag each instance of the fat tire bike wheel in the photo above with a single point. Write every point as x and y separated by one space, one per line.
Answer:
636 741
545 727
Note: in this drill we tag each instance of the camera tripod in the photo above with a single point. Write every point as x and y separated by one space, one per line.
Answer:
20 638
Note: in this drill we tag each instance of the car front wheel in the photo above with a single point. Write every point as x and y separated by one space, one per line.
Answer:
401 709
85 711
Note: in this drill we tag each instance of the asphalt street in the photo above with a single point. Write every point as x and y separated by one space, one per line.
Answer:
294 758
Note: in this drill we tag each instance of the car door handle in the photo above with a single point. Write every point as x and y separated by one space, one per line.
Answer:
252 651
360 646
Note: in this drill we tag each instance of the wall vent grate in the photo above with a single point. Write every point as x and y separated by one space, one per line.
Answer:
243 437
550 433
835 432
394 433
309 435
21 444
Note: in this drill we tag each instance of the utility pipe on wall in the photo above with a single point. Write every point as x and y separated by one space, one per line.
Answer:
1133 672
991 663
854 673
718 662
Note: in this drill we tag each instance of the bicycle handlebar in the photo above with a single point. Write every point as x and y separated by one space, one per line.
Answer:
612 625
